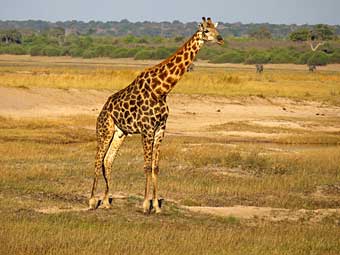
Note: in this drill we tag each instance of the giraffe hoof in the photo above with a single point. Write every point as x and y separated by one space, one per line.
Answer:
147 206
93 204
106 204
158 205
155 206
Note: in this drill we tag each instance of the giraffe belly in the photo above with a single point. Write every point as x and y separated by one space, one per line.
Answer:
140 119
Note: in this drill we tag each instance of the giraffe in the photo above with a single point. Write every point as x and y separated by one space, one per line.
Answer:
141 108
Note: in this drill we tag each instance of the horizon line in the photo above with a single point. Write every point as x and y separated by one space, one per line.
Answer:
153 21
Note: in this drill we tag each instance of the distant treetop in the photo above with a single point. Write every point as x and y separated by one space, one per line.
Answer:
166 29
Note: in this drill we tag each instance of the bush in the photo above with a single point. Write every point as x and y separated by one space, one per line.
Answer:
51 51
318 59
283 56
120 53
36 50
89 53
130 39
104 50
229 57
133 51
208 53
161 53
14 49
303 58
335 57
75 51
144 54
257 57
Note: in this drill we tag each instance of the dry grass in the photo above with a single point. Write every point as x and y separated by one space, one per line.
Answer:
47 163
56 167
295 84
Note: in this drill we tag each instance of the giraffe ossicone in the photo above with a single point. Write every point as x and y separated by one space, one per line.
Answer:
141 108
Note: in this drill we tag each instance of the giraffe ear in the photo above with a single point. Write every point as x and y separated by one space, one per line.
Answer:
216 24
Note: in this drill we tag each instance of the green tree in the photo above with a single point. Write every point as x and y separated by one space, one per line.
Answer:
57 34
300 35
10 36
323 32
129 39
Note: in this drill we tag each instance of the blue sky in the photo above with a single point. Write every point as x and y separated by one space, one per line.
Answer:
245 11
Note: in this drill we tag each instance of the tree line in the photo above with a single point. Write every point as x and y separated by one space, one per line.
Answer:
148 28
260 47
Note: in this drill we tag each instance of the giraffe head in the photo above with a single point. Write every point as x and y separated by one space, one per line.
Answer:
209 31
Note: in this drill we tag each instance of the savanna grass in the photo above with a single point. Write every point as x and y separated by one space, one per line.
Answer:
49 163
293 84
58 173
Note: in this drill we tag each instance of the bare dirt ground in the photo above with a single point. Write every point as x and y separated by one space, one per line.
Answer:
189 115
238 211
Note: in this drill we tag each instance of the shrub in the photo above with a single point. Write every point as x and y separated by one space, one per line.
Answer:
319 59
75 51
144 54
303 58
130 39
89 53
229 57
161 53
51 51
36 50
120 53
133 51
257 57
104 50
14 49
335 57
208 53
282 56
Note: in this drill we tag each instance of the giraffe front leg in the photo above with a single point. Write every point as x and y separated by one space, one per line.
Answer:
155 168
147 146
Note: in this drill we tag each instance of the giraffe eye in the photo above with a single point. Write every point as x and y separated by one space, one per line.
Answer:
206 31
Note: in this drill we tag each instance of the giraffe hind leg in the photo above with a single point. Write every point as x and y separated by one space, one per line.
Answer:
159 135
118 139
104 137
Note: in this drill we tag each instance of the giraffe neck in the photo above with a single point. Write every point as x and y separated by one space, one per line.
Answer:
166 74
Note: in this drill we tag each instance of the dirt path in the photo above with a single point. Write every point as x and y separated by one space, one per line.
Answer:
237 211
189 115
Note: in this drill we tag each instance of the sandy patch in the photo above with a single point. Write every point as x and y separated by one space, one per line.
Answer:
266 213
189 115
